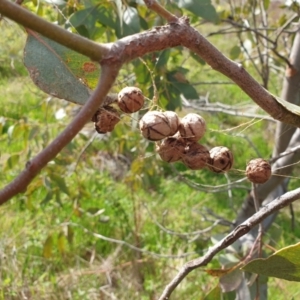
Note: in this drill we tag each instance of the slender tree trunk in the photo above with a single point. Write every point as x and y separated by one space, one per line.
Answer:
287 137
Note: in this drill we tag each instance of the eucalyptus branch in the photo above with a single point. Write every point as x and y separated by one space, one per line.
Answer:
75 42
172 35
160 10
33 167
175 34
239 231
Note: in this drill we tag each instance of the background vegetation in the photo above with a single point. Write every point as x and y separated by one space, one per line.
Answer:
54 238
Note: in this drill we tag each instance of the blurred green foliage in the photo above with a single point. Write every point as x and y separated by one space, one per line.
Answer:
53 238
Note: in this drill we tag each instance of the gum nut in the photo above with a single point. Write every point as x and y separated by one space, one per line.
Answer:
192 127
258 170
105 119
174 121
130 99
171 149
221 159
155 126
196 156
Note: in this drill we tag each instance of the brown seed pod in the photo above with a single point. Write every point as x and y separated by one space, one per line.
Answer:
173 120
105 119
155 126
130 99
192 127
196 156
171 149
258 170
221 159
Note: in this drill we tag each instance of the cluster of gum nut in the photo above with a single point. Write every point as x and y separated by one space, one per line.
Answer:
176 139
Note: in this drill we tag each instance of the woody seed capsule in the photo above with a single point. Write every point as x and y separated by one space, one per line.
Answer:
173 120
105 119
155 126
258 170
192 127
196 156
221 159
130 99
171 149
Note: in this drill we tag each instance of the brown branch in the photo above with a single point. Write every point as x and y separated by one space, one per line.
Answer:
176 34
75 42
239 231
33 167
131 47
161 11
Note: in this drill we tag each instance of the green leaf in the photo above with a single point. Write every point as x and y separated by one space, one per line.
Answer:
58 70
119 5
197 58
131 19
282 20
90 16
214 294
235 52
48 245
61 243
142 74
284 264
70 235
201 8
12 161
60 182
163 58
231 281
48 197
181 85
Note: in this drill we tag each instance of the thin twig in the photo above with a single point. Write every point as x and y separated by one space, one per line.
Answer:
239 231
121 242
259 233
160 10
181 234
226 109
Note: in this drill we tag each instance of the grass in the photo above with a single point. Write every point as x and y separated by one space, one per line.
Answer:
50 243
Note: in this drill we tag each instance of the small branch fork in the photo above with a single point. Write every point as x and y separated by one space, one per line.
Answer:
177 33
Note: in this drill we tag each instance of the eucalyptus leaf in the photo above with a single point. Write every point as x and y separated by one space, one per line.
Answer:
48 245
283 264
131 19
59 71
200 8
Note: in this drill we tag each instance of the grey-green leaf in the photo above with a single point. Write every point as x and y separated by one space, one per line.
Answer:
283 264
45 62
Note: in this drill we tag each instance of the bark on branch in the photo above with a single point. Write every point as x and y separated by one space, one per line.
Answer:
177 33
